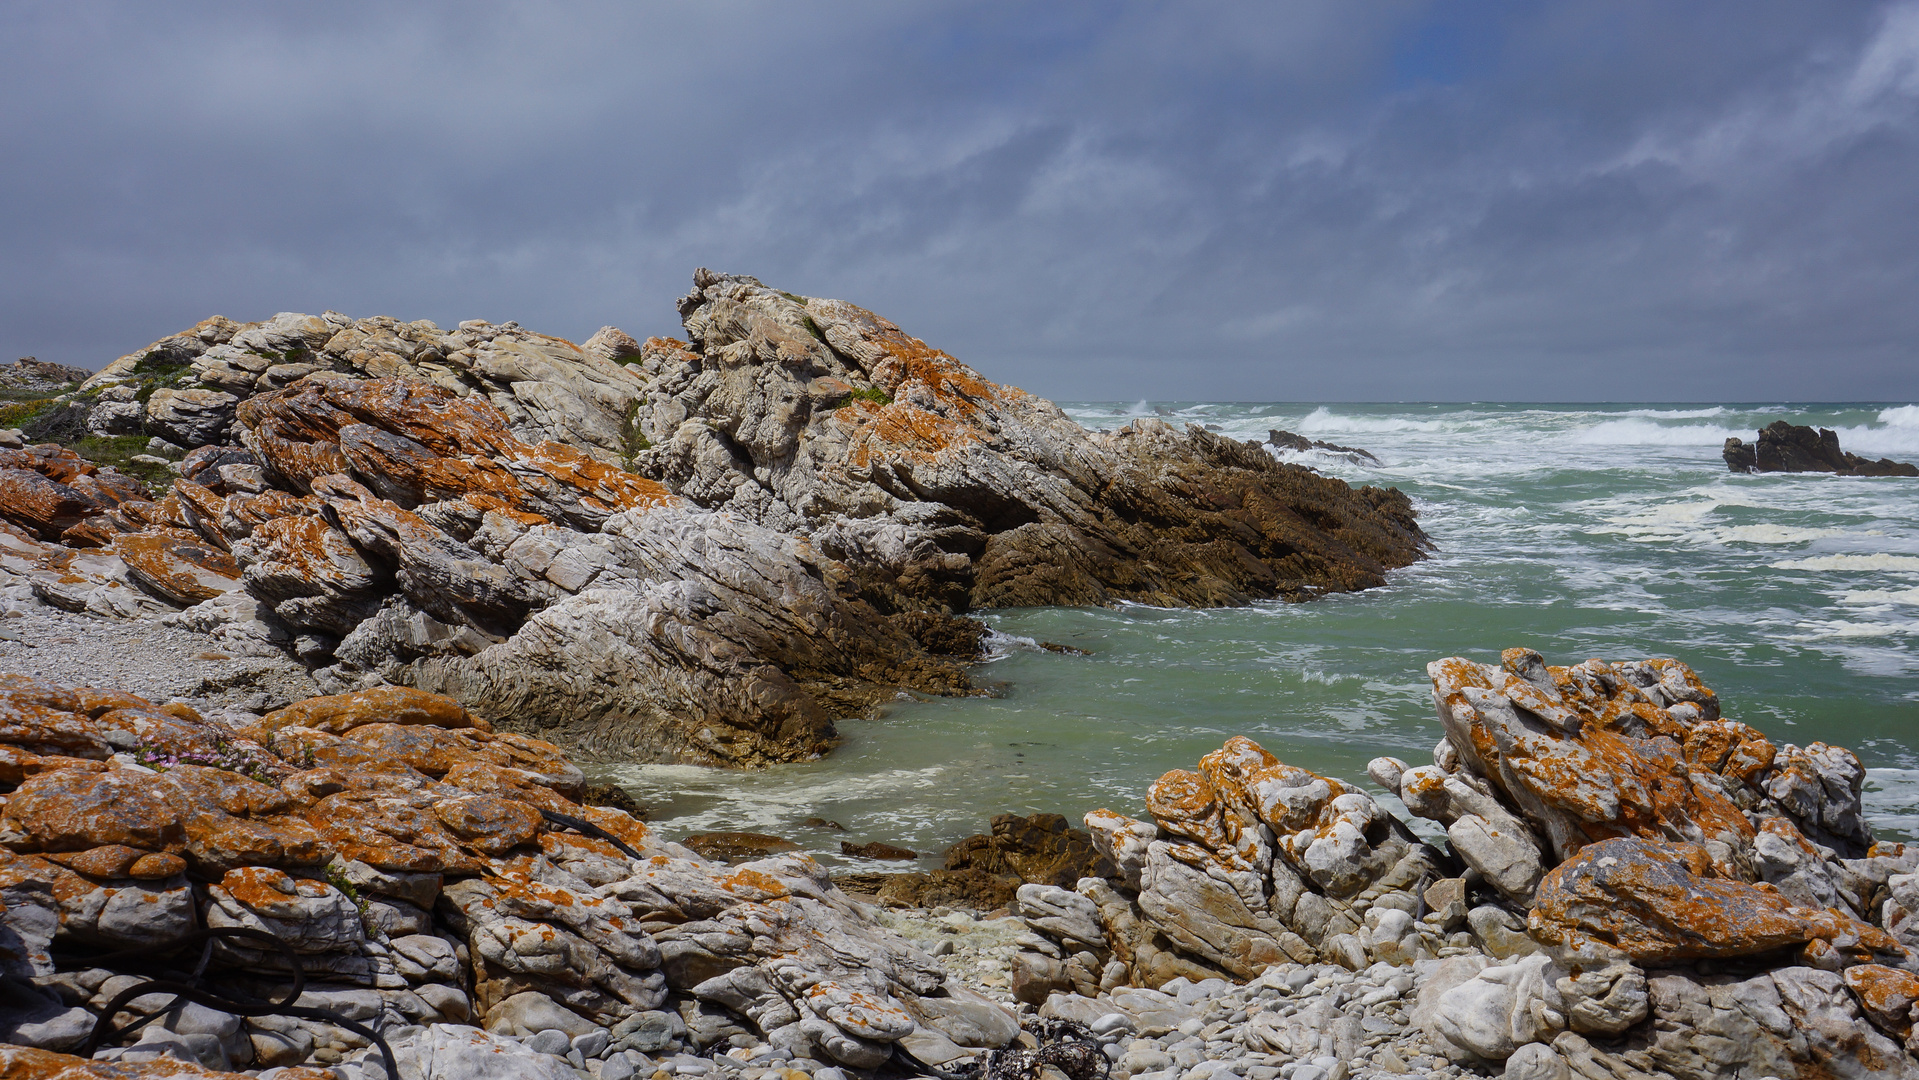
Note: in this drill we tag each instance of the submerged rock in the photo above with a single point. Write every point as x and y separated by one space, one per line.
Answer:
1287 440
1784 447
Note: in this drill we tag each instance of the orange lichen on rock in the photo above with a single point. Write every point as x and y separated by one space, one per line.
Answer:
1663 902
179 565
1586 755
414 442
1886 994
341 713
26 1063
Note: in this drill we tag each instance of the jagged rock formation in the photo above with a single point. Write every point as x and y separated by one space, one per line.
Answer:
398 845
1609 830
481 513
1784 447
1287 440
946 491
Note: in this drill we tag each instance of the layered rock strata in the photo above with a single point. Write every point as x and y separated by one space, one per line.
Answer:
1784 447
408 855
703 552
946 491
389 531
1632 885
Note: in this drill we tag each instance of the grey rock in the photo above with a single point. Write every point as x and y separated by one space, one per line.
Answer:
592 1044
529 1013
448 1052
190 417
551 1042
1062 913
117 418
311 916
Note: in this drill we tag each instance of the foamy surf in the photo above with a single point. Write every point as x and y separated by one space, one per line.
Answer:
1588 531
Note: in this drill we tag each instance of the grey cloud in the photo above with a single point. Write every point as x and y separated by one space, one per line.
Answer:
1218 200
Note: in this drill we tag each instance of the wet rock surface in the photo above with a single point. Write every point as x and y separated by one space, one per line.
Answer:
1784 447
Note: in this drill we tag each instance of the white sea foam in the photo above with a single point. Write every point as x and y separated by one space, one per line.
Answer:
1323 420
1897 433
1677 414
1643 432
1851 563
1880 596
1772 534
1846 628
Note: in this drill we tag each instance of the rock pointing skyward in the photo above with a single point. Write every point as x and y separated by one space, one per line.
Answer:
701 552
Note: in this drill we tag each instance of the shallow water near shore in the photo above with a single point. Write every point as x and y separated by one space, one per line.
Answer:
1610 531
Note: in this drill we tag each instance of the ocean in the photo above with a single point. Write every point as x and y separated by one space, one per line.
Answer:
1582 531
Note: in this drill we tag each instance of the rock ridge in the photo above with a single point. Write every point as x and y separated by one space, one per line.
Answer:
702 552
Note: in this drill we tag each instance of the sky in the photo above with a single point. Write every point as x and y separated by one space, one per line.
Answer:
1580 200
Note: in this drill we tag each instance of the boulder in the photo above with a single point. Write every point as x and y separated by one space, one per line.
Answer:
190 417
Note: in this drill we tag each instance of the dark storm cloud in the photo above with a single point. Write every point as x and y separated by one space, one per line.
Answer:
1255 201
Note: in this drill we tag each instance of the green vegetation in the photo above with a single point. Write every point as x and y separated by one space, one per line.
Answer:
872 393
118 451
21 413
15 394
155 371
336 877
632 438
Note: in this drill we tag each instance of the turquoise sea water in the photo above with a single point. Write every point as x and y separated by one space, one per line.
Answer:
1582 531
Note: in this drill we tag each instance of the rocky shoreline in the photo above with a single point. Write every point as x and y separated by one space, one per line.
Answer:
1632 885
704 550
292 702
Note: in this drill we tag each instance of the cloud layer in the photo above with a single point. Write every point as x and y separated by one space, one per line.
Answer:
1310 201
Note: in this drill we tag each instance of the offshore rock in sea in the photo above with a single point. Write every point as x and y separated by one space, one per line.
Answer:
1611 836
403 850
1784 447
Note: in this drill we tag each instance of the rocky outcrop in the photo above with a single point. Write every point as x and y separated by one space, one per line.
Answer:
31 375
984 872
944 490
661 552
1784 447
432 875
1632 885
1286 440
396 533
